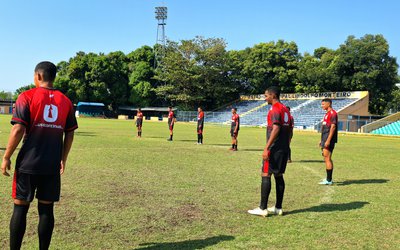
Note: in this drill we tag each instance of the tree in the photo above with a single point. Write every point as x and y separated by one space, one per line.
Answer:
270 64
365 64
6 95
195 72
22 89
315 73
141 79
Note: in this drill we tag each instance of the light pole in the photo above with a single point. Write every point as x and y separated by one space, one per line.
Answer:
159 49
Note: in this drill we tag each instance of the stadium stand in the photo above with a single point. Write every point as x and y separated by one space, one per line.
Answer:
388 125
306 108
390 129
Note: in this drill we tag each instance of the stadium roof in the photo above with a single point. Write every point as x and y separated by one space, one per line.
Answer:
159 109
97 104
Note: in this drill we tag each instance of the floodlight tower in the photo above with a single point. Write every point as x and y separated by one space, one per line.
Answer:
161 16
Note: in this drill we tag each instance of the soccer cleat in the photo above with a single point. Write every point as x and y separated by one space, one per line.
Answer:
169 140
274 210
325 182
231 149
258 211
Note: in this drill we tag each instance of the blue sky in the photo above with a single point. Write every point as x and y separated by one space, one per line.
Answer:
54 30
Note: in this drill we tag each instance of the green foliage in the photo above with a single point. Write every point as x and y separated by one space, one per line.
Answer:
202 72
196 72
359 64
22 89
268 64
394 104
365 64
6 95
141 94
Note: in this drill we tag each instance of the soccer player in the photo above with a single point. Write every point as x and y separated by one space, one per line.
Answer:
275 154
291 136
235 126
139 122
329 134
171 122
46 117
200 125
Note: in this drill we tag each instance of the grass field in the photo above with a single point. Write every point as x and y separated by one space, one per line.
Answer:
120 192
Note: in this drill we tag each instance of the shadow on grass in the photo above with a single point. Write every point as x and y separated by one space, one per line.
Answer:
362 181
85 133
331 207
157 137
2 148
221 144
187 244
310 161
252 149
187 140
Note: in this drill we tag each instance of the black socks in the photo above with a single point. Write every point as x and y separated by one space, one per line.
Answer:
280 190
329 174
201 138
18 225
170 137
46 224
265 190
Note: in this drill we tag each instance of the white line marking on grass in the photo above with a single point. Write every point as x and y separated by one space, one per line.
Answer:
329 190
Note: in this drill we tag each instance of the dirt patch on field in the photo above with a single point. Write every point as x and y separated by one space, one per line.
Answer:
169 218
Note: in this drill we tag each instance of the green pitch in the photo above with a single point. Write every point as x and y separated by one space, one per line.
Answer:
120 192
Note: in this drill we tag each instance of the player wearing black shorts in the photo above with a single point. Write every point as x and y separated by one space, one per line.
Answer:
171 122
139 122
235 126
200 125
329 134
275 153
46 117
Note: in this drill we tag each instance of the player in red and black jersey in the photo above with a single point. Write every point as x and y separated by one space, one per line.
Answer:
45 118
235 126
139 122
291 136
200 125
171 122
329 134
275 153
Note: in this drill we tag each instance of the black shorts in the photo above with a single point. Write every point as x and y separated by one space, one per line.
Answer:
171 127
330 148
47 187
139 123
233 134
199 129
276 163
